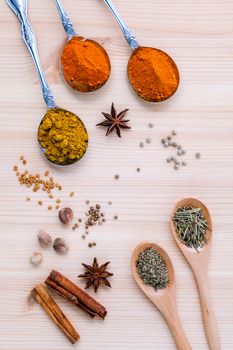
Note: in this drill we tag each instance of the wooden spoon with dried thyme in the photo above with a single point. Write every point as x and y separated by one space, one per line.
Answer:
192 229
153 272
115 121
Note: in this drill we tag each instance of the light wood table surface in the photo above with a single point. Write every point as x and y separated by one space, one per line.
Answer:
199 36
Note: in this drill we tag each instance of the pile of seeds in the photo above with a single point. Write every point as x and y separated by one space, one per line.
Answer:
168 141
191 226
38 182
94 216
152 269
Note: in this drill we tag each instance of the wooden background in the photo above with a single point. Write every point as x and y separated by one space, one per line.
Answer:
199 36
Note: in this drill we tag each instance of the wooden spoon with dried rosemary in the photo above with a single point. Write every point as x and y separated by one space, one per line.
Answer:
153 272
192 229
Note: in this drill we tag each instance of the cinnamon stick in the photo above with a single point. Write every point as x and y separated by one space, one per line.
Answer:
42 296
75 295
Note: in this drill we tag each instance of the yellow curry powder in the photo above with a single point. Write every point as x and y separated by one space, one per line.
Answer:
85 64
63 136
153 74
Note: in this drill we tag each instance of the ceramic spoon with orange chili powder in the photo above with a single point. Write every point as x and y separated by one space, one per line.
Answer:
85 64
152 73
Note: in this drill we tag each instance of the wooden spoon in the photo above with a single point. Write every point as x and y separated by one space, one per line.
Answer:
198 262
164 299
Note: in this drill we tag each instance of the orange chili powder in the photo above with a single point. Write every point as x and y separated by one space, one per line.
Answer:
85 64
153 74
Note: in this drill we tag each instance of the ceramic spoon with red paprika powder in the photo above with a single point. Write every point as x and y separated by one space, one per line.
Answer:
85 64
152 73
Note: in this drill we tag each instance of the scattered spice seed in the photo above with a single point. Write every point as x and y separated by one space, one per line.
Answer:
15 168
46 173
21 157
117 176
28 199
90 245
168 142
84 236
141 144
109 202
35 182
148 140
24 162
87 202
71 194
138 170
152 269
58 201
198 155
115 217
57 206
50 207
151 125
51 196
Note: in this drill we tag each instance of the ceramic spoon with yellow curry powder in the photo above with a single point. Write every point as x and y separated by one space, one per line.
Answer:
62 136
152 73
85 64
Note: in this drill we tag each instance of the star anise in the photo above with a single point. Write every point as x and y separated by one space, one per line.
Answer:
115 121
96 275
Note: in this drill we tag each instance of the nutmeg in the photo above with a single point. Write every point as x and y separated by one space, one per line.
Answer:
60 246
44 238
36 259
66 215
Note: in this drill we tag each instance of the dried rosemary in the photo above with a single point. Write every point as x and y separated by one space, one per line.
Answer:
152 269
191 226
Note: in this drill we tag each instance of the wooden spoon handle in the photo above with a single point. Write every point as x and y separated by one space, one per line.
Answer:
209 319
169 311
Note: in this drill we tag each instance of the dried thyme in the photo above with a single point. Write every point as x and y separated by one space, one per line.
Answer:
152 269
191 226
